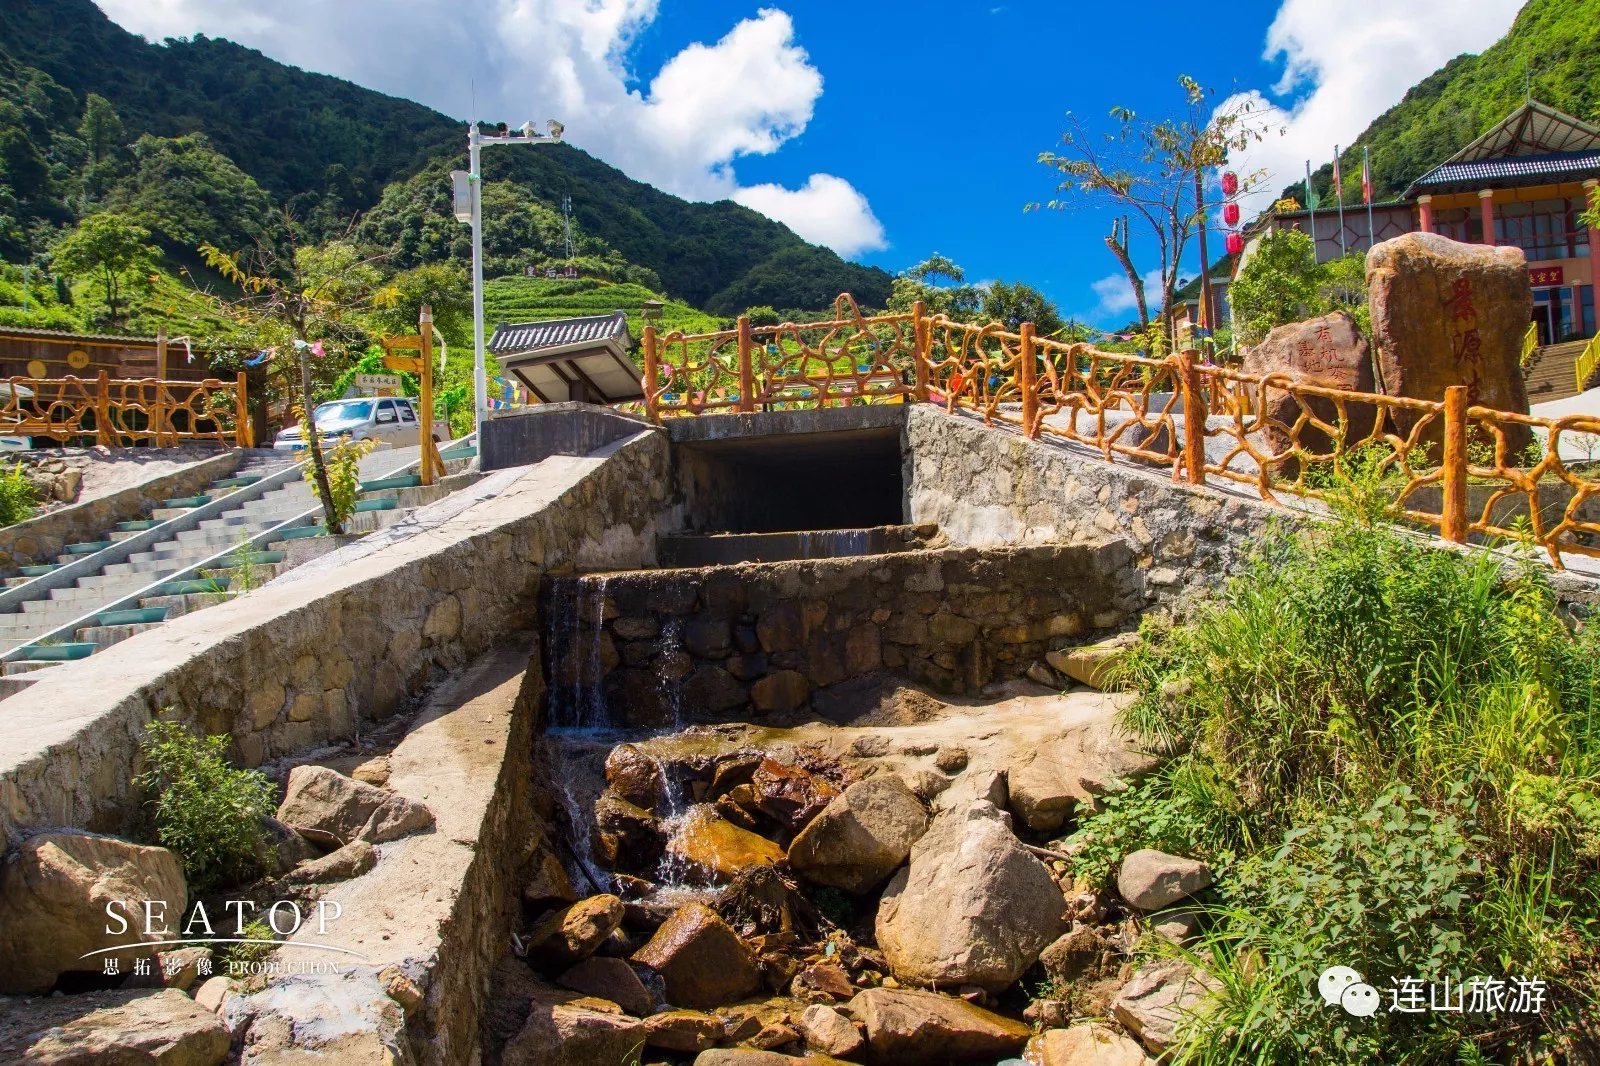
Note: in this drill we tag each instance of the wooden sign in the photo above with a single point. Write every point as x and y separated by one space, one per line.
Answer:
378 384
409 364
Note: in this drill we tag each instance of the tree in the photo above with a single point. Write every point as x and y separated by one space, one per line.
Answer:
101 133
1282 282
940 284
1152 170
1013 303
188 193
112 250
1591 215
302 303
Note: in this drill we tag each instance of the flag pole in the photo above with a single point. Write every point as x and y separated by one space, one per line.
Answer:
1338 191
1366 193
1311 205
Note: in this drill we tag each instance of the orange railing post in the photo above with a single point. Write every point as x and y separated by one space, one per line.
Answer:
1453 524
920 355
1028 378
243 432
102 410
1194 418
747 375
652 388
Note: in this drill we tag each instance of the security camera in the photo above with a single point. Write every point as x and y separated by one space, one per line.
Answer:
528 130
556 129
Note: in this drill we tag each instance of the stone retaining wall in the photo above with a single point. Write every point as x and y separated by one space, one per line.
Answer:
985 486
298 664
40 540
723 642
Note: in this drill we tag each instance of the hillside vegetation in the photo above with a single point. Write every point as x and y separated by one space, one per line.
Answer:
1552 50
534 299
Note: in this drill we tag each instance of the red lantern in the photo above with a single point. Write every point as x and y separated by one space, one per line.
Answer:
1235 243
1230 183
1230 214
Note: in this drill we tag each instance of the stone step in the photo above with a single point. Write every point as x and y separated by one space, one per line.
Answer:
102 637
138 526
38 570
187 603
238 481
17 582
23 666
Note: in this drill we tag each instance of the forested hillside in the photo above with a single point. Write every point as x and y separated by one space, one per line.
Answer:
205 140
1552 50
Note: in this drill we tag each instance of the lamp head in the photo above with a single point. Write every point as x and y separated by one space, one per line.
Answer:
556 129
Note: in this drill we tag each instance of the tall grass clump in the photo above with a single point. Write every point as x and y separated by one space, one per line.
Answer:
19 498
1391 753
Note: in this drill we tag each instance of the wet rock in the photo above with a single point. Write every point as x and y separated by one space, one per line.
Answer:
782 690
325 801
734 770
636 628
830 1032
637 833
744 1056
774 1035
549 883
861 837
165 1027
708 638
1156 999
1446 313
573 933
683 1030
702 960
974 907
54 891
1093 664
1329 352
352 860
717 848
913 1028
791 794
739 807
1085 1045
634 776
612 979
1151 880
712 691
573 1034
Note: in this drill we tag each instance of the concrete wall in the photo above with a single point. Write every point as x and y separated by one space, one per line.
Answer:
298 664
990 486
40 540
719 644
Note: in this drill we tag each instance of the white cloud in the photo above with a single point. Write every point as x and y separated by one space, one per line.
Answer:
1344 65
1115 295
826 210
746 94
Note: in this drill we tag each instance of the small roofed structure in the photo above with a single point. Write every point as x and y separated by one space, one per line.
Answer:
581 359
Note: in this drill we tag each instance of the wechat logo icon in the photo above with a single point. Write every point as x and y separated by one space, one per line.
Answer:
1343 986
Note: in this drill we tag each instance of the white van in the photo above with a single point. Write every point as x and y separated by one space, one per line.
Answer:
389 419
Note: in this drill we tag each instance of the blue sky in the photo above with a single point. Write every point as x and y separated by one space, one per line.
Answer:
888 130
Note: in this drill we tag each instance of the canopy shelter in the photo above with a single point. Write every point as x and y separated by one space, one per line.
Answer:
1534 145
582 359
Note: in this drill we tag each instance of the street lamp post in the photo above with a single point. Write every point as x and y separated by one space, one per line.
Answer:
469 208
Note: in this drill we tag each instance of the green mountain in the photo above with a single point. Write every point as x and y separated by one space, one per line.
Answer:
1551 51
326 149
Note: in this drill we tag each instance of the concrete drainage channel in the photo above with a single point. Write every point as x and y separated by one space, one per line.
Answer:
193 553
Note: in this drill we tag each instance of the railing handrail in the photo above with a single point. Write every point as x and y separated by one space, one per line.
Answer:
1019 378
1588 362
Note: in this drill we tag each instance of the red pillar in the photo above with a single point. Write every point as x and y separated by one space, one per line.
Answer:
1425 208
1486 210
1594 258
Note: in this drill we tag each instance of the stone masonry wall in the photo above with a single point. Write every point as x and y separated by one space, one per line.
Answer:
300 663
985 486
719 642
40 540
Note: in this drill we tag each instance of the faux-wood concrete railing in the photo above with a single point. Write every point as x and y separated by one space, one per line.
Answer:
119 412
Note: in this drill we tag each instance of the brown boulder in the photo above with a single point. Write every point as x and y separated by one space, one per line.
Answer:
1079 955
112 1029
830 1032
1158 996
611 979
634 776
1085 1045
352 860
791 794
702 960
54 891
573 933
635 833
329 806
910 1028
1446 313
683 1030
549 883
1152 880
716 849
573 1034
1329 352
862 836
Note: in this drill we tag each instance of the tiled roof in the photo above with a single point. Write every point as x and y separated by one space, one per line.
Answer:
557 333
61 335
1510 170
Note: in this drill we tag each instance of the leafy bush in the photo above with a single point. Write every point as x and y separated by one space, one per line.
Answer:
19 499
203 810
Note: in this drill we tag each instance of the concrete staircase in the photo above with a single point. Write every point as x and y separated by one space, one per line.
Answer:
1552 371
384 500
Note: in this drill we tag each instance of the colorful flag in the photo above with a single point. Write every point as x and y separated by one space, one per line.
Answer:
1338 186
1366 176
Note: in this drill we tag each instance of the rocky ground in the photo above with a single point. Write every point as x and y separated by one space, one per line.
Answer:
885 887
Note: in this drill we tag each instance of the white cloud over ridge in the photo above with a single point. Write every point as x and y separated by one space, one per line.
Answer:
1345 64
746 94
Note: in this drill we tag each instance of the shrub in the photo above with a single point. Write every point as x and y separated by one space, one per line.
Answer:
203 810
19 499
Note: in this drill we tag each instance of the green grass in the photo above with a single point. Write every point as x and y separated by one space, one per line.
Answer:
1391 755
518 299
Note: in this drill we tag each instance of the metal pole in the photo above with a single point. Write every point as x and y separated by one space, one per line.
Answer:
1366 170
1311 205
1205 265
480 387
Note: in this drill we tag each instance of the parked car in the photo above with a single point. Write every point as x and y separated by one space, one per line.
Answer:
390 419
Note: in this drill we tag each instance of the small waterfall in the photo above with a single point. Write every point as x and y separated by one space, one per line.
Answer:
672 873
592 688
569 758
671 687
